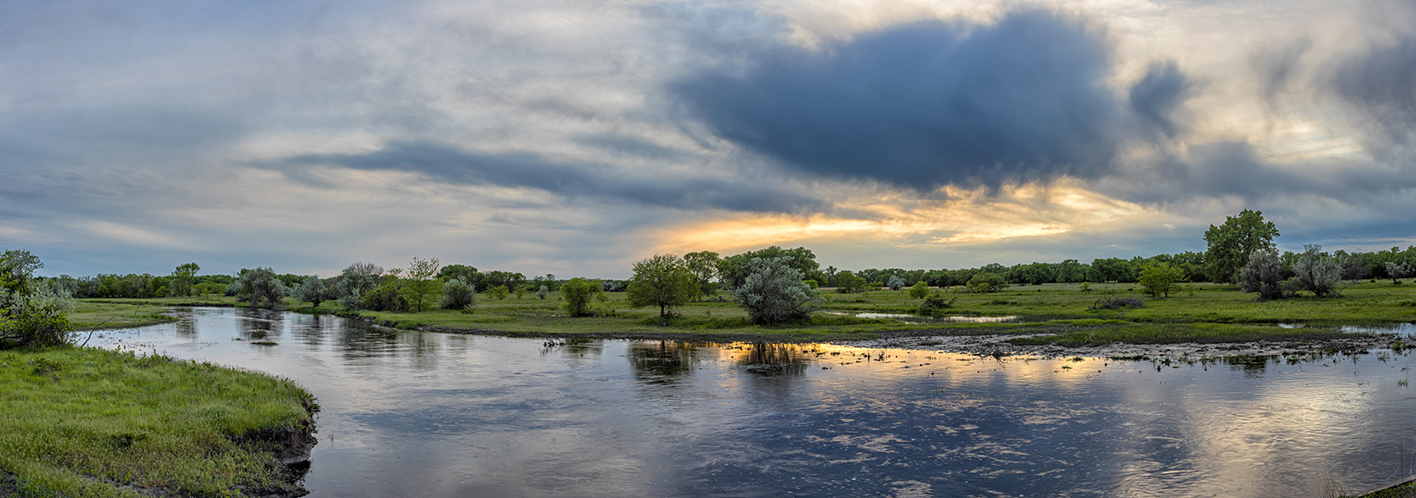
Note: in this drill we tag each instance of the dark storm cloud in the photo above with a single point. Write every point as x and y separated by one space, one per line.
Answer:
926 104
571 180
1382 84
1157 95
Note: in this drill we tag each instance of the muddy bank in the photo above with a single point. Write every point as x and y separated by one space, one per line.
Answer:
998 345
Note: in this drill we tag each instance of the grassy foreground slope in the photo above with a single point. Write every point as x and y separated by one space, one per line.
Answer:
91 422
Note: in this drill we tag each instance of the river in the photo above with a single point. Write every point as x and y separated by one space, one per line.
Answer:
407 413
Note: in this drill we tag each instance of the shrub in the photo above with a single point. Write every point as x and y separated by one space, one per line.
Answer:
987 282
386 297
920 290
1261 275
935 303
1317 272
499 292
543 292
1116 303
1397 271
774 292
37 319
580 295
458 294
1159 279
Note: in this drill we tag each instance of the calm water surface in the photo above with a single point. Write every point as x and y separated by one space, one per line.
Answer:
426 414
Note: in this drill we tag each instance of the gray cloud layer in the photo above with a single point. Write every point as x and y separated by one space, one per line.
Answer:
530 170
934 103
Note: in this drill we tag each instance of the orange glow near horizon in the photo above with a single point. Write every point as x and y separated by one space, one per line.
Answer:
965 217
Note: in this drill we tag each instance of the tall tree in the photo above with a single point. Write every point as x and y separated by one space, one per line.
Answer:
704 265
1231 244
182 279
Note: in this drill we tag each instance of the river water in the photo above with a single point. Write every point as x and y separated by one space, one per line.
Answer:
408 413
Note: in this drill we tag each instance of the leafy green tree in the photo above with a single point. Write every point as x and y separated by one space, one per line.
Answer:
1231 244
934 303
420 285
774 292
704 265
458 294
847 282
664 280
1160 278
262 287
466 273
520 291
499 292
312 290
920 290
182 279
17 269
388 296
732 270
580 294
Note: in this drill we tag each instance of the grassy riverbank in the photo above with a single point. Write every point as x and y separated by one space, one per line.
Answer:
90 422
1197 313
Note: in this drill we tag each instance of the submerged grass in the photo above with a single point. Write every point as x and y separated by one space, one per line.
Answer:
92 422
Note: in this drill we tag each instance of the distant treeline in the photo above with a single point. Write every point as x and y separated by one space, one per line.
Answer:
1356 265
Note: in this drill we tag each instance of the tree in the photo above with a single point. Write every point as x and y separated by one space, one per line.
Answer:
262 287
458 294
466 273
1397 271
420 284
986 282
774 292
499 292
311 290
704 265
355 281
920 290
895 282
580 294
543 292
1231 244
733 269
1159 278
848 282
665 281
182 278
17 269
1261 275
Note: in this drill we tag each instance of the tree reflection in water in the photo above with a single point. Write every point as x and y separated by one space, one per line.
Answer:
774 359
663 362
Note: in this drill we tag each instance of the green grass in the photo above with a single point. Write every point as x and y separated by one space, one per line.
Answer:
1200 313
85 422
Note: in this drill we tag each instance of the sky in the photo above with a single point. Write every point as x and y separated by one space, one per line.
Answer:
577 137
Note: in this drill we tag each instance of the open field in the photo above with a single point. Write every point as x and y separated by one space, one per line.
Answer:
1196 313
91 422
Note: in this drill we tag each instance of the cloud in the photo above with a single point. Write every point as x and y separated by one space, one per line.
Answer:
927 104
1156 96
1380 84
748 192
